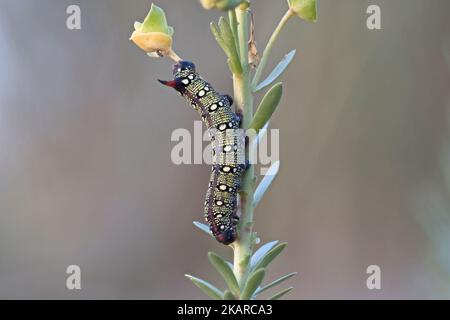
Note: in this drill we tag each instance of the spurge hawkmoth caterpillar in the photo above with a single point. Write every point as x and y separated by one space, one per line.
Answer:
228 166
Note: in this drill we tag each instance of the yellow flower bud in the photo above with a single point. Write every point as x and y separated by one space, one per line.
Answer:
208 4
153 34
223 5
305 9
152 41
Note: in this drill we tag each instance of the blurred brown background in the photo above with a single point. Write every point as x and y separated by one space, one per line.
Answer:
86 176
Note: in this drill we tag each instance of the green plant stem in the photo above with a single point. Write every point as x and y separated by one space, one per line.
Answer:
269 46
244 104
233 24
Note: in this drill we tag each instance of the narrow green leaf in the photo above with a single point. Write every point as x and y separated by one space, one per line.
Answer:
305 9
280 294
267 107
265 183
272 254
225 271
230 42
155 21
206 287
218 36
227 34
227 295
274 283
233 24
253 282
277 71
261 252
202 227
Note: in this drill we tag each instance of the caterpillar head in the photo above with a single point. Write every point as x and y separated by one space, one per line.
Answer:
180 71
183 68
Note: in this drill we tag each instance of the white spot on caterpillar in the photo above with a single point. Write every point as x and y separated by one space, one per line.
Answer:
227 148
191 77
226 169
223 187
222 127
185 81
213 107
222 227
219 203
201 93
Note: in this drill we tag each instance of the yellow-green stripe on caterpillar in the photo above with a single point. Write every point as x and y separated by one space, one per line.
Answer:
228 163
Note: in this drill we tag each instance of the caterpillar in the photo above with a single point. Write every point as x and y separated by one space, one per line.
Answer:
228 163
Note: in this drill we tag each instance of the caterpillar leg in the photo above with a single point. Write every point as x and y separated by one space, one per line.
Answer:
229 98
238 117
242 169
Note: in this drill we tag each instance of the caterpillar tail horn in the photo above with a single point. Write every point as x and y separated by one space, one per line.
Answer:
171 83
